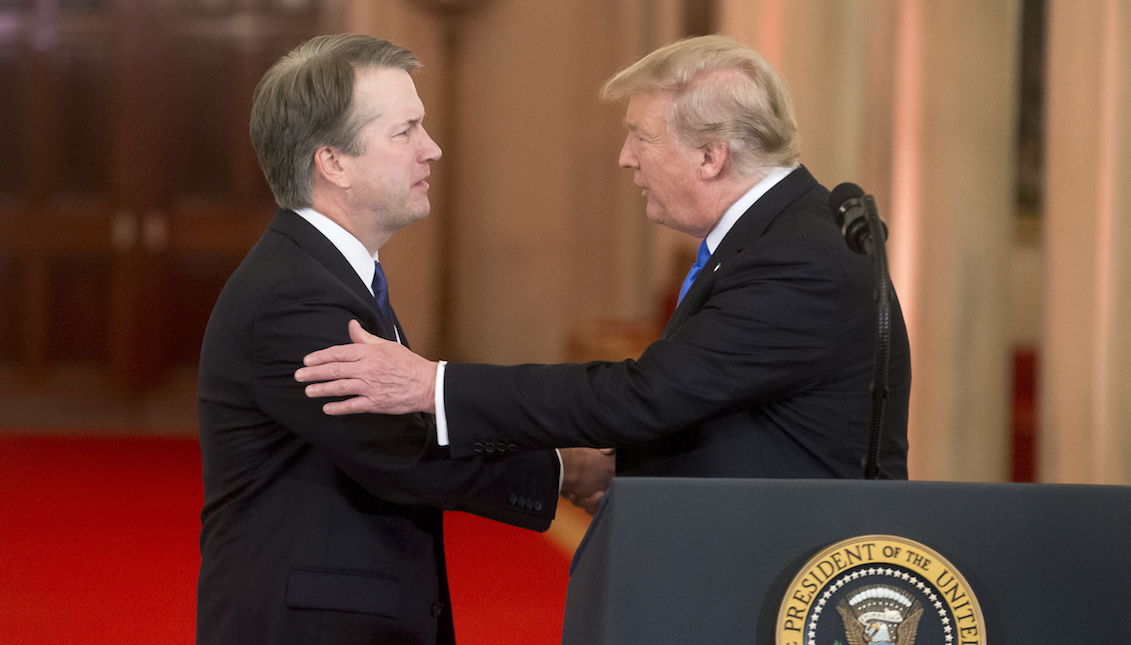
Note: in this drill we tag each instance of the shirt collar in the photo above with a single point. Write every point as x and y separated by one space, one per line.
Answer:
715 237
348 245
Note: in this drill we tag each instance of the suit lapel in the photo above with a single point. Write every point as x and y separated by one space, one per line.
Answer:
312 241
746 231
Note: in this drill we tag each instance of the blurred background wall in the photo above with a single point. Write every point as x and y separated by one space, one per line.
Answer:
992 133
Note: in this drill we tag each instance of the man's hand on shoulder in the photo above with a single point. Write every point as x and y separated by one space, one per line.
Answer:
378 375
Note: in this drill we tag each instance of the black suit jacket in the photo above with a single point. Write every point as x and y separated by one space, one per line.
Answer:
319 529
763 369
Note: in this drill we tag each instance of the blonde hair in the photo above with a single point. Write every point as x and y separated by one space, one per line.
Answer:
724 92
305 101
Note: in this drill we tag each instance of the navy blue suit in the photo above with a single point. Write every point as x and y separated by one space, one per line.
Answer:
762 371
320 529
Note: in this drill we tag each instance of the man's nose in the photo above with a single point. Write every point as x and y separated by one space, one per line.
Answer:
626 158
432 150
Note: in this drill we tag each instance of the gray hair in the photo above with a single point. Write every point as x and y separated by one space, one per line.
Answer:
305 101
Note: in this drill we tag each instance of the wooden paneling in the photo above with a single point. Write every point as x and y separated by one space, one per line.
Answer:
130 190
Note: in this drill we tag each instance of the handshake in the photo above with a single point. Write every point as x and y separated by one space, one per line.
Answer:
586 475
385 377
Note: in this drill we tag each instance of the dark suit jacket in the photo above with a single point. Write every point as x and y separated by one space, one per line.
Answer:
320 529
762 371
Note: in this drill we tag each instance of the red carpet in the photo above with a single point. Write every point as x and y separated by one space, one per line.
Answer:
98 545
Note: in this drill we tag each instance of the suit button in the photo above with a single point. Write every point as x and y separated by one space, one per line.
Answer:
511 446
513 498
477 446
520 501
437 608
529 504
537 506
489 447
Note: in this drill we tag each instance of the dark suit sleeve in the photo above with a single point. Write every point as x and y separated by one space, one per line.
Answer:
767 328
393 457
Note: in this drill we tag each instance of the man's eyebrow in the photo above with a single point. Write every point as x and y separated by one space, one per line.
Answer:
637 130
393 128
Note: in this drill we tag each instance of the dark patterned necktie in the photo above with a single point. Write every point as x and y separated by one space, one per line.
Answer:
701 258
384 309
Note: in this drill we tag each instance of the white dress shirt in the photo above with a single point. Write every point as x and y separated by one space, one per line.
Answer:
349 246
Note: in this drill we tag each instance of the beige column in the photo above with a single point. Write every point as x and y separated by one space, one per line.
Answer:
821 49
1085 415
915 101
551 231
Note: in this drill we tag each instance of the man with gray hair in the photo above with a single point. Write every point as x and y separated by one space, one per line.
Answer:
320 529
764 368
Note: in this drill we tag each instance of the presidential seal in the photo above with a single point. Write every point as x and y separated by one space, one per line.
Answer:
879 590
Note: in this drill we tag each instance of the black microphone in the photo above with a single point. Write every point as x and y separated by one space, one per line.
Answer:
851 206
859 219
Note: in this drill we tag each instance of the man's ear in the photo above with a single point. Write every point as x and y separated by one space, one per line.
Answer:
714 159
328 164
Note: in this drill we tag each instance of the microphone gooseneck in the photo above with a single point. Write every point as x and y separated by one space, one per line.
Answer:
865 233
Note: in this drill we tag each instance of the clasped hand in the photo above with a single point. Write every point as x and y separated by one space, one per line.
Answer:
587 473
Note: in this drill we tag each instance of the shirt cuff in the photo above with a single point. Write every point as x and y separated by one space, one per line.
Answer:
441 413
442 421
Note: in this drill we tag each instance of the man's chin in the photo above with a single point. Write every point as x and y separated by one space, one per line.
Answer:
406 217
418 211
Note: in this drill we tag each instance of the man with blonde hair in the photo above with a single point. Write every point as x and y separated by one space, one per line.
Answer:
764 368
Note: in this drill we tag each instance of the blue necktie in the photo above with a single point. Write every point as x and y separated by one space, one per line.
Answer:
701 258
381 295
